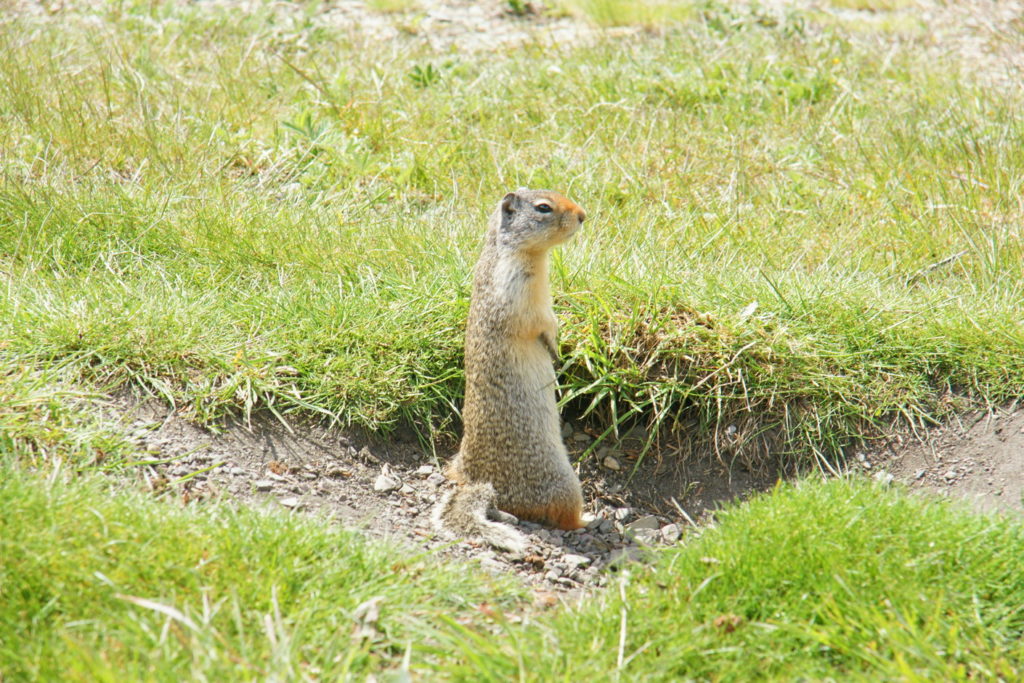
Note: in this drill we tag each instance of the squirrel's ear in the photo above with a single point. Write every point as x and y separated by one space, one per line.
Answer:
506 202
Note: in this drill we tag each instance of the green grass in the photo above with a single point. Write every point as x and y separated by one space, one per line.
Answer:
97 584
839 580
646 13
821 581
255 211
239 212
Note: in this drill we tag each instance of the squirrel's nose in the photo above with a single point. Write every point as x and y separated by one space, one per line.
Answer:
581 214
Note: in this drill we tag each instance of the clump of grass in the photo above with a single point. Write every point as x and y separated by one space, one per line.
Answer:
841 579
391 6
43 421
648 13
833 579
102 585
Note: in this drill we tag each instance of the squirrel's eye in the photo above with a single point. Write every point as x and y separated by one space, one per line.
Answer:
543 208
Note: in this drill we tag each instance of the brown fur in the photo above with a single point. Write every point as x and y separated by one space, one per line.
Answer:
512 438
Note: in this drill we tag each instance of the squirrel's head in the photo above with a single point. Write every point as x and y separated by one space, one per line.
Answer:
536 219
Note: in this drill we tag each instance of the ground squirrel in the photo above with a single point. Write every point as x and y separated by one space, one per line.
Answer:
512 458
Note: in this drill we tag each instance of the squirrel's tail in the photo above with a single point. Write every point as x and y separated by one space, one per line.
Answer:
468 512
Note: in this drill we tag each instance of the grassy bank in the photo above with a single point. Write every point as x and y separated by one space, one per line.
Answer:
792 231
823 580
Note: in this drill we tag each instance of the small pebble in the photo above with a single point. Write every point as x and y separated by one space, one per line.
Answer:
646 536
670 533
291 502
645 522
575 561
263 485
622 514
384 483
611 463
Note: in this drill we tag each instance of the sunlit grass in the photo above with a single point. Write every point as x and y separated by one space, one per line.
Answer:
648 13
822 580
795 239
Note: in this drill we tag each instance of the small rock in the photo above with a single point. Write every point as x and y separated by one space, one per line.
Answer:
566 430
611 463
607 526
918 474
646 536
291 502
645 522
670 533
595 523
263 485
407 490
385 482
425 470
435 479
883 477
950 475
236 471
622 514
575 561
492 566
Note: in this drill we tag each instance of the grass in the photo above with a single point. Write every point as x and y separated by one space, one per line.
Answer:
797 239
103 585
646 13
822 580
794 236
391 5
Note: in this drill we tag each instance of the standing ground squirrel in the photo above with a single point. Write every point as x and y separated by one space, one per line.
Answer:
512 458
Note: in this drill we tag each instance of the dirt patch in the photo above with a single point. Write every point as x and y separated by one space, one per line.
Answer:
978 458
388 488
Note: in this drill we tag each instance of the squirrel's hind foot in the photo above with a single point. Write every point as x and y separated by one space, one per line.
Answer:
467 511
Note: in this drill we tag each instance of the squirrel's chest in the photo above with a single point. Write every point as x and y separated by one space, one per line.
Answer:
533 366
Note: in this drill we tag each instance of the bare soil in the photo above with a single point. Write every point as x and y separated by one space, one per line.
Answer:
978 458
388 487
